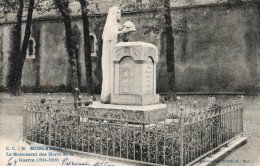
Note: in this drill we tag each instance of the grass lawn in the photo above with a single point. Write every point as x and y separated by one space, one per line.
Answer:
11 124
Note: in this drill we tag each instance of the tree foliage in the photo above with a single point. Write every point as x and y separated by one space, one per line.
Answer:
155 19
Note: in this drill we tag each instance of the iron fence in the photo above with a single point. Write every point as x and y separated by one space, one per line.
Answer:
182 138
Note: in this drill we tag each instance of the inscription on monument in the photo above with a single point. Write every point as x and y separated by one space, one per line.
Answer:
135 74
126 76
148 76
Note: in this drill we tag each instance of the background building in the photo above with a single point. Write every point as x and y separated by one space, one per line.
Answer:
219 51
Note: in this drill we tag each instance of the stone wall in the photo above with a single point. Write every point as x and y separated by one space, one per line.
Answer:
221 52
218 53
1 57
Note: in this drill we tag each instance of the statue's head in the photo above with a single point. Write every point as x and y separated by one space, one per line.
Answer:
114 14
118 15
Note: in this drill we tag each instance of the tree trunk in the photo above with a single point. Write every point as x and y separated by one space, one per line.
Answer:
64 10
77 54
87 47
184 43
76 42
169 50
13 82
23 51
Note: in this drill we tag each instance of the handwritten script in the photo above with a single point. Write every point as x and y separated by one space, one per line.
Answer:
67 162
11 162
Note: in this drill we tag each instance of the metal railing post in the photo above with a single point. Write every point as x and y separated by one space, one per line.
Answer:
50 127
242 119
181 137
24 122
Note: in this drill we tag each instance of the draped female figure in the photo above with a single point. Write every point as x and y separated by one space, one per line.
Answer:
110 38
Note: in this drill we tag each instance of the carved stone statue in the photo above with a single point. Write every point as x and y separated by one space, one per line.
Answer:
110 37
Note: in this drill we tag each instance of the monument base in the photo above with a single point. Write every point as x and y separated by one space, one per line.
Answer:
148 113
139 100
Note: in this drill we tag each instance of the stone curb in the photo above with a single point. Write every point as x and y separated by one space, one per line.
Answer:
224 151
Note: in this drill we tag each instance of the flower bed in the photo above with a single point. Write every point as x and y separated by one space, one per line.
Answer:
168 142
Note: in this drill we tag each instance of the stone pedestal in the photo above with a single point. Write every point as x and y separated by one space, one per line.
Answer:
134 74
148 113
133 91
